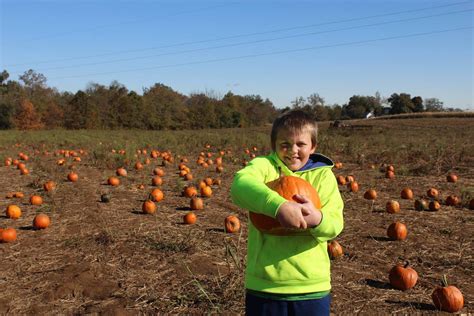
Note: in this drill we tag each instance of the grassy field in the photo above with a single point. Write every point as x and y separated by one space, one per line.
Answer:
101 257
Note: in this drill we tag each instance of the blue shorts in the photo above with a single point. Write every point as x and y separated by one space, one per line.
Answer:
255 305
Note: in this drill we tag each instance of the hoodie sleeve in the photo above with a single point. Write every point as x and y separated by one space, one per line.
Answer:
331 207
249 190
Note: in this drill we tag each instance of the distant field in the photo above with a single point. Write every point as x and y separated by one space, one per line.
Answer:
99 257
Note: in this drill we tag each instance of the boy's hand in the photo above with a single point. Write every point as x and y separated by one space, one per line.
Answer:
290 215
311 214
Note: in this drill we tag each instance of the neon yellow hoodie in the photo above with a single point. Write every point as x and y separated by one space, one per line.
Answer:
288 264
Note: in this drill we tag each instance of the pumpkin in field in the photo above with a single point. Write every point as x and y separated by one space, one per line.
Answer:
7 235
41 221
407 194
156 181
389 174
421 205
36 200
447 298
196 203
190 191
190 218
208 181
149 207
353 186
121 172
287 187
113 181
158 172
434 206
392 207
231 224
432 193
156 195
13 211
49 186
452 177
403 277
452 200
370 194
206 191
397 231
335 250
72 176
341 180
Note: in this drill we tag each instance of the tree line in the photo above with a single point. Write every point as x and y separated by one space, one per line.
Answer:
30 104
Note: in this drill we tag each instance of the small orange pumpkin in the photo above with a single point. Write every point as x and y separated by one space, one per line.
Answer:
7 235
196 203
452 200
36 200
231 224
73 177
335 250
447 298
341 180
392 207
190 218
41 221
156 181
432 193
370 194
13 211
434 206
407 194
113 181
353 186
156 195
149 207
49 186
452 177
397 231
403 277
121 172
190 191
206 191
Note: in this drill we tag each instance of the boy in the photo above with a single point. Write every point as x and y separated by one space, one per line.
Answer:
290 275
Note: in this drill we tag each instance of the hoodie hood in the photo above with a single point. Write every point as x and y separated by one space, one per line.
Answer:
315 161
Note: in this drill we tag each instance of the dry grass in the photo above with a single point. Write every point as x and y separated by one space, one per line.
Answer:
109 258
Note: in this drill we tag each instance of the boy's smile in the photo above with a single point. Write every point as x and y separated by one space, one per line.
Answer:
294 149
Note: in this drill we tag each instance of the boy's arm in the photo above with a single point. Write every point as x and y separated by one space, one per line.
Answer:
249 190
332 221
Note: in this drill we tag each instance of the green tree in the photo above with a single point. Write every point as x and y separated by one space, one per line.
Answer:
78 113
359 106
5 116
417 104
434 105
401 103
165 108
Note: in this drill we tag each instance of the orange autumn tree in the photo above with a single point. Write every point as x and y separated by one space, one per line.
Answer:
27 117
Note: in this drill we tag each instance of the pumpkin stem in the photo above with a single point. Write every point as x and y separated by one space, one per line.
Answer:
406 264
444 280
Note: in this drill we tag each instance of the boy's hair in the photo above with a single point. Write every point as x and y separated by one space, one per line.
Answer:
294 121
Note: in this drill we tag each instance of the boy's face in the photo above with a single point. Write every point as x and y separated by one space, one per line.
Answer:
294 149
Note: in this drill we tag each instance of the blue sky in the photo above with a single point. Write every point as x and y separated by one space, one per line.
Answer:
279 50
